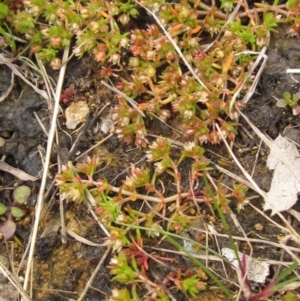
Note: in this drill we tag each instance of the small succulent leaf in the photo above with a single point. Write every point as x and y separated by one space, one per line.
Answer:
287 96
21 194
17 212
281 103
3 10
3 209
8 229
296 110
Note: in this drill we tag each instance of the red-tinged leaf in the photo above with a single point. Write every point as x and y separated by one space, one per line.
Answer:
8 229
296 110
267 292
175 13
196 29
68 94
175 28
228 62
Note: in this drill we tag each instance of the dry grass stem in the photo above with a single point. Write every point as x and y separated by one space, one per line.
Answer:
40 199
251 90
132 102
14 69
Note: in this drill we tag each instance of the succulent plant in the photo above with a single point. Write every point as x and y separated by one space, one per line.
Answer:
15 210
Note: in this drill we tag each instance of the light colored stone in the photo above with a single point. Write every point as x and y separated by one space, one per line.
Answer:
76 114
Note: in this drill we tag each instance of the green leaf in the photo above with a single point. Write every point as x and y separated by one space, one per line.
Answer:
17 212
21 194
290 296
3 10
3 209
47 54
291 3
8 36
287 96
281 103
270 21
23 22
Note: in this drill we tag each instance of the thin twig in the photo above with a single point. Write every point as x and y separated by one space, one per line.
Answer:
7 92
14 281
132 102
94 146
40 199
261 56
246 174
14 69
90 281
84 130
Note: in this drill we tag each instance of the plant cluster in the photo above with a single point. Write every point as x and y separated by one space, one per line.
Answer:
291 101
201 82
159 80
116 208
14 211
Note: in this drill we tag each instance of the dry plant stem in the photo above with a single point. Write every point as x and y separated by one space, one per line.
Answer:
94 146
40 123
148 254
174 45
14 69
275 9
49 87
237 224
12 80
244 279
14 281
127 169
40 199
92 203
150 198
158 279
256 158
261 55
89 283
290 287
83 132
210 232
218 259
257 189
274 148
256 241
130 100
62 219
292 70
293 256
229 20
83 240
18 173
235 177
217 13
